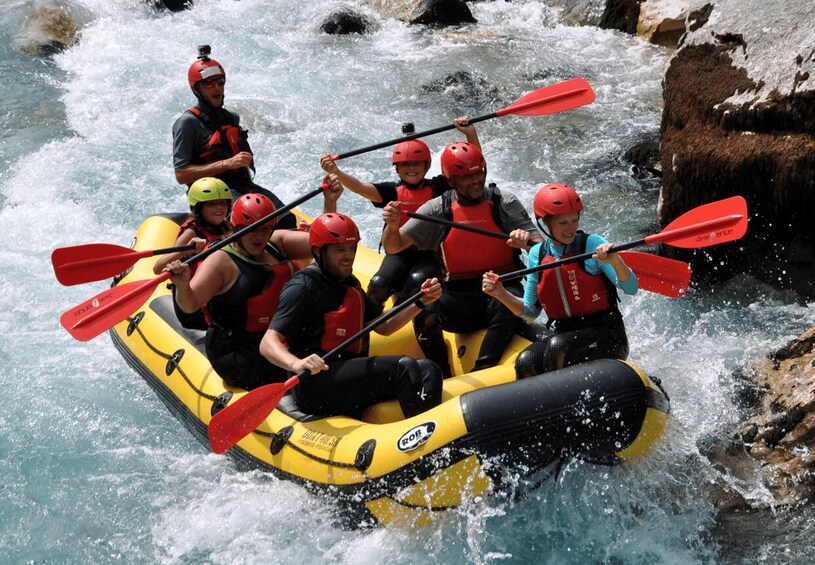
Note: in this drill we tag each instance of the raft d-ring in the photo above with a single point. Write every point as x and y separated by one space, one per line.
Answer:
134 322
280 439
173 361
365 455
220 403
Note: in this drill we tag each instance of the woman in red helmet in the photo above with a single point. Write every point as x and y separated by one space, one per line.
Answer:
580 299
208 140
405 271
238 288
321 307
464 308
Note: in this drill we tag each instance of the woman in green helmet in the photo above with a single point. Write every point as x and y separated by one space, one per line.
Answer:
210 203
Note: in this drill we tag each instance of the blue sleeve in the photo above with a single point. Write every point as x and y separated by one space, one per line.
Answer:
629 287
531 307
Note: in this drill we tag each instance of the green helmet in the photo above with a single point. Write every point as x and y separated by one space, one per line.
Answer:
208 189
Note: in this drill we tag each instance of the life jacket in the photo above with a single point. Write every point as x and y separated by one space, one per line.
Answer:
570 291
199 230
344 322
412 198
250 303
227 139
468 255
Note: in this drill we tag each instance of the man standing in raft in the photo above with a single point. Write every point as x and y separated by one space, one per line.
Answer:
466 256
580 299
208 140
321 307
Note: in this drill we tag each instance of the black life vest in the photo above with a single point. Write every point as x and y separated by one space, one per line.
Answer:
227 139
250 303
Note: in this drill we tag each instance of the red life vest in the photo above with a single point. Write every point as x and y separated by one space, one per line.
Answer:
261 308
569 291
469 255
200 231
412 199
227 140
344 322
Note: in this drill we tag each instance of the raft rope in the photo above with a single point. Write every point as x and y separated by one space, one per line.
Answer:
311 456
171 359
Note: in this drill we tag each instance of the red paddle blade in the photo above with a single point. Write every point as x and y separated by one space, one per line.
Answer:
100 313
92 262
238 420
558 97
710 224
659 274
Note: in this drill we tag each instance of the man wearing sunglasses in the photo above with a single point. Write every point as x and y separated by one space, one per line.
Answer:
208 140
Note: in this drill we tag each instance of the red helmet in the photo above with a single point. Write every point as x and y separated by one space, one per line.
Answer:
333 227
250 208
203 69
556 198
461 159
411 150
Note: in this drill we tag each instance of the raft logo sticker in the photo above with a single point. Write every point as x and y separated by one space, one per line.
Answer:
415 436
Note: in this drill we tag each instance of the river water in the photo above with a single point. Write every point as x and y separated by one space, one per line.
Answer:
93 469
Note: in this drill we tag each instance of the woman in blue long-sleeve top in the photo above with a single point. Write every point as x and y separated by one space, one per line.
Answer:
579 299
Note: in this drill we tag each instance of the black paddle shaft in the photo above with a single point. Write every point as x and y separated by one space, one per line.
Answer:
411 136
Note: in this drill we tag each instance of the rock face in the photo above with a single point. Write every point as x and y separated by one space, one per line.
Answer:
663 22
739 119
779 442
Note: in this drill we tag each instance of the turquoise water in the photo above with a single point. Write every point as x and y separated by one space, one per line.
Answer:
94 469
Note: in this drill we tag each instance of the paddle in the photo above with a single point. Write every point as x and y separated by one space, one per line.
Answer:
559 97
710 224
654 273
80 264
236 421
100 313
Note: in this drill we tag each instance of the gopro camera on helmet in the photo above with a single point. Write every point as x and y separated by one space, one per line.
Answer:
408 128
203 52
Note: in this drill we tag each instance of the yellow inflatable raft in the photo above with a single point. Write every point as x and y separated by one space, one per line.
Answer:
489 430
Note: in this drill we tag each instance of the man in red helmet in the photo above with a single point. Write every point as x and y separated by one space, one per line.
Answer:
321 307
405 271
466 256
238 288
208 140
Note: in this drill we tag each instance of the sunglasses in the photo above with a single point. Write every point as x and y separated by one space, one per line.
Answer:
211 82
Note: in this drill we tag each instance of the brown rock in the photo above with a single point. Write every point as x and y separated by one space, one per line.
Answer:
718 141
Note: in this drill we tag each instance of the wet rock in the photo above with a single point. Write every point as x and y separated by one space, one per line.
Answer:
345 22
437 13
777 443
173 5
621 15
48 30
663 22
739 118
644 158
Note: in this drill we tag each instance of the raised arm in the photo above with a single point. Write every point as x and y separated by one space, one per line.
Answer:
352 183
